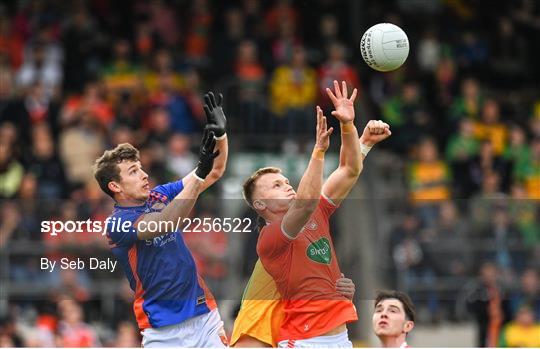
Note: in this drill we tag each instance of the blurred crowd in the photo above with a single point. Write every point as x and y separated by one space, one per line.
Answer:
77 77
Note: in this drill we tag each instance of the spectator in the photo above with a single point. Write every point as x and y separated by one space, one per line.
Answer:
11 44
159 126
180 159
11 171
472 53
482 204
335 68
482 164
469 103
166 97
328 33
486 301
528 293
429 51
523 331
163 21
506 251
293 91
72 330
449 251
517 149
281 12
228 39
460 150
34 107
441 91
121 76
83 42
198 35
250 78
284 44
490 127
79 145
508 58
9 338
407 115
162 67
414 273
42 64
524 213
92 102
44 163
428 181
127 336
527 172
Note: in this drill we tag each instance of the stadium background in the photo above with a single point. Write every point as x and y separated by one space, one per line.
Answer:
446 210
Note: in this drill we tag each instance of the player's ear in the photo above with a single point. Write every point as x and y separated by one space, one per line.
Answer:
259 205
409 325
114 187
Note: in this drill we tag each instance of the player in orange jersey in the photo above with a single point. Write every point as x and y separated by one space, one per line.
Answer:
295 246
259 320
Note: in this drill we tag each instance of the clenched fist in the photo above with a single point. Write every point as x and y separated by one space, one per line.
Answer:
375 132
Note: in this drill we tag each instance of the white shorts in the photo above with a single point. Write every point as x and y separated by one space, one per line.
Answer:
203 331
340 340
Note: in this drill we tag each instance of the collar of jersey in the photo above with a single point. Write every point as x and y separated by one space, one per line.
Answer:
129 207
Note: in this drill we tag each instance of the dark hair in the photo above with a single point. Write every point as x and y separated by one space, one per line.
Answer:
106 168
408 305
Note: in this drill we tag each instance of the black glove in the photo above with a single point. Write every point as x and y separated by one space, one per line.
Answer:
215 118
206 155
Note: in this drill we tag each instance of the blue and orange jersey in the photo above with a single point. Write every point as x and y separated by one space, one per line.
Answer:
161 271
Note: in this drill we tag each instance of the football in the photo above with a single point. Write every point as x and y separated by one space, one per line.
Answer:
384 47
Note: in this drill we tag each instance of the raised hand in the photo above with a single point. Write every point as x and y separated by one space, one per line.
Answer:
344 106
375 132
215 117
323 133
206 154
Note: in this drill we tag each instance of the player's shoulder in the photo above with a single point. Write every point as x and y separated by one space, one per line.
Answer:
124 214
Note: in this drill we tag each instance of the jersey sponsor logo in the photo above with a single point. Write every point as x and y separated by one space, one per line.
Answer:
160 241
201 300
320 251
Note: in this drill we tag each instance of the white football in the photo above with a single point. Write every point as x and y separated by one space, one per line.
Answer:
384 47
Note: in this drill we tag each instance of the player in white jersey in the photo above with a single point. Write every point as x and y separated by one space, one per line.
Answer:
393 318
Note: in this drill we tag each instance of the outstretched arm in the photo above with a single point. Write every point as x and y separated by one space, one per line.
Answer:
217 123
353 151
309 189
341 181
182 204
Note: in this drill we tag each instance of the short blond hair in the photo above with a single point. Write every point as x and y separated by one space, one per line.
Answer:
249 185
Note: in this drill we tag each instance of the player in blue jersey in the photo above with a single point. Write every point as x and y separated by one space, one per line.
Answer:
172 305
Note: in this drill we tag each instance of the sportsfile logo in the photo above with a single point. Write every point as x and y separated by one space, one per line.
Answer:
187 225
53 228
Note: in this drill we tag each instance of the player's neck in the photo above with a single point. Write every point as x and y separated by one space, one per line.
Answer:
128 202
272 217
392 341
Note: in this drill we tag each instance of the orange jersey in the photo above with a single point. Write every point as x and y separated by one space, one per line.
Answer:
261 312
305 270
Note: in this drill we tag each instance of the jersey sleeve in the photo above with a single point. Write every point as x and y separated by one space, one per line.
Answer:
272 242
170 190
326 206
121 230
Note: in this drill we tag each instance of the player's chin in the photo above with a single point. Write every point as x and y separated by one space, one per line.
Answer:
145 195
